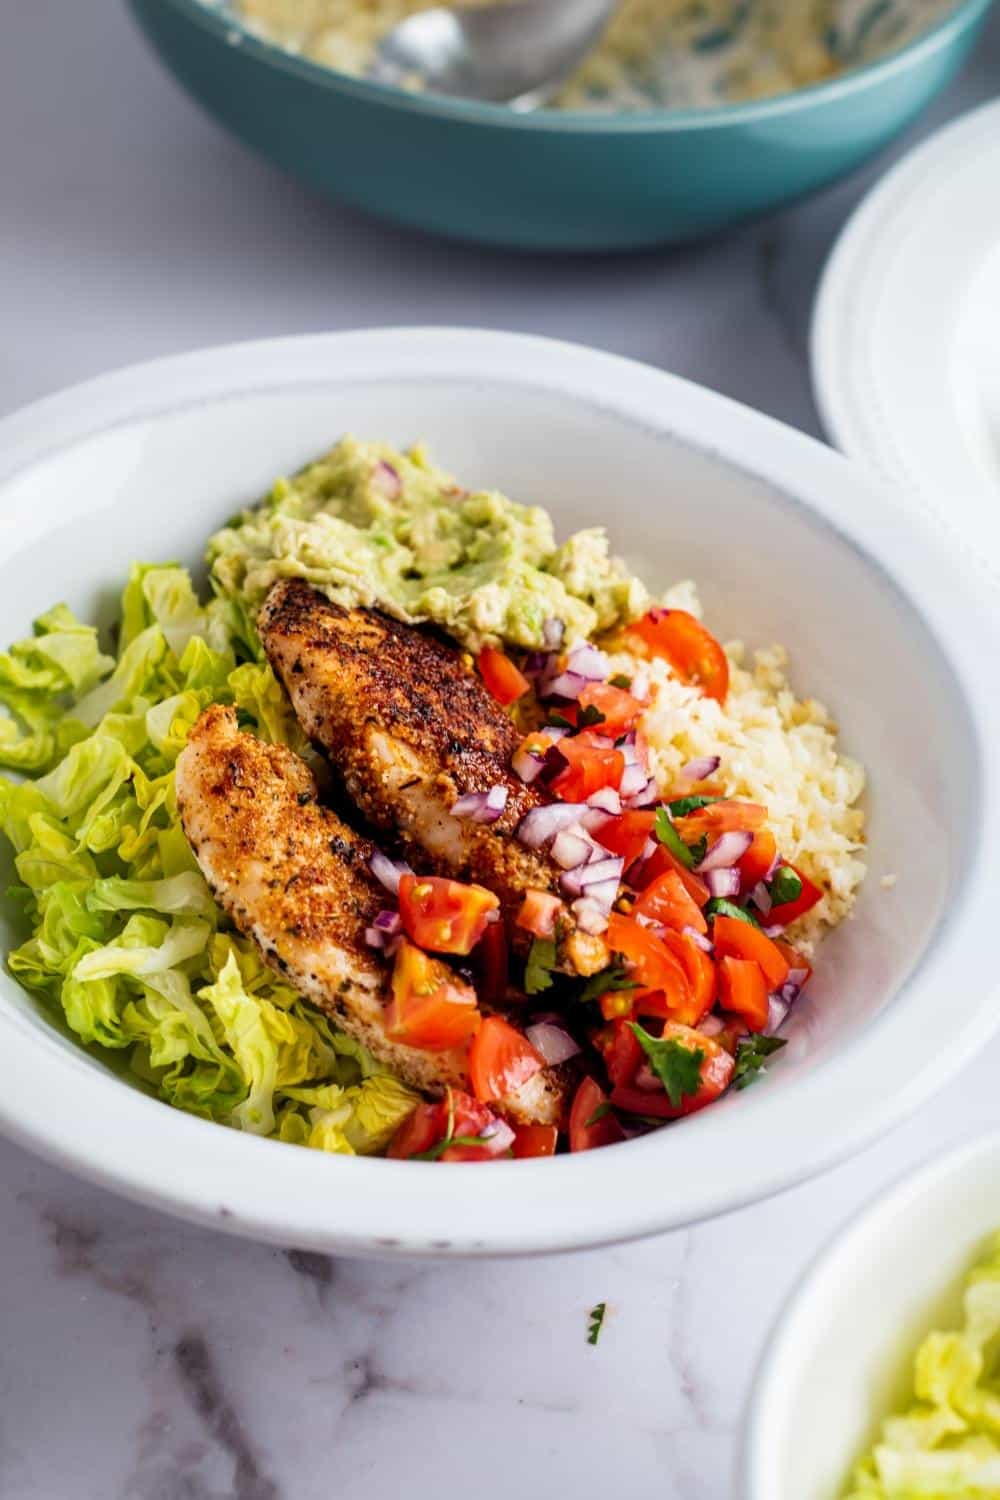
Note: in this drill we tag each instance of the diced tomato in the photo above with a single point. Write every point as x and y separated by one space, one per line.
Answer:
736 939
501 677
590 767
790 911
626 835
501 1060
743 990
620 709
757 860
795 959
650 962
699 971
667 902
535 1140
430 1007
491 964
539 913
442 915
728 816
691 650
419 1131
591 1122
716 1074
662 860
621 1050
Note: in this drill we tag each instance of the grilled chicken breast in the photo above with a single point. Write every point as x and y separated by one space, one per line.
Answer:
410 729
295 879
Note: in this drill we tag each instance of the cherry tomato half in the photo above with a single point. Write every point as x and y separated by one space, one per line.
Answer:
743 991
501 1060
442 915
591 1122
667 902
716 1074
430 1007
691 650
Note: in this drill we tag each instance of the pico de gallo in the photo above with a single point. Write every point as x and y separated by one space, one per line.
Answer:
687 887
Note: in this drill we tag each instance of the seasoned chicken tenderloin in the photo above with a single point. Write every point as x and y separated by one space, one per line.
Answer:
295 879
411 729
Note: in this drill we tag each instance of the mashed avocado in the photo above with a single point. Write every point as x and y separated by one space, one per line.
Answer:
376 528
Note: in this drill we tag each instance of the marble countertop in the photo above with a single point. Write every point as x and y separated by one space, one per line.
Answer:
144 1360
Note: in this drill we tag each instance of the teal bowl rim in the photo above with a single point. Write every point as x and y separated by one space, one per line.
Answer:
222 24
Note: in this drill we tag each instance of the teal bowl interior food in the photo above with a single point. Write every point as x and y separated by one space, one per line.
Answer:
552 180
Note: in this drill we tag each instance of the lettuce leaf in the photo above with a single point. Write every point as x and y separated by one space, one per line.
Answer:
125 941
948 1444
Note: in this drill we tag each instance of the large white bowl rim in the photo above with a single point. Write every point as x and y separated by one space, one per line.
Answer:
136 1146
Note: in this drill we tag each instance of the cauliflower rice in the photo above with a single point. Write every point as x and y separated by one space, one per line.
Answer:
777 750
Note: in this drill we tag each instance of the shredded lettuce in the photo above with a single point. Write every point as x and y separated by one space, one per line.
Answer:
124 938
947 1446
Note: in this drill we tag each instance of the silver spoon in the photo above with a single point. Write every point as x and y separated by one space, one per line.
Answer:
518 52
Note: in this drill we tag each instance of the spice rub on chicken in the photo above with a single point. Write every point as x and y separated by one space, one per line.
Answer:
294 878
411 730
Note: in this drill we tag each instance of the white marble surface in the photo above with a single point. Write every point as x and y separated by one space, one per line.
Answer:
140 1359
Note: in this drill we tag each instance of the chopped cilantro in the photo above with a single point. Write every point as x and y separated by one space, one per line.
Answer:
668 835
538 969
720 907
752 1053
619 680
599 1113
677 1067
559 721
612 978
786 885
595 1322
436 1152
589 716
681 806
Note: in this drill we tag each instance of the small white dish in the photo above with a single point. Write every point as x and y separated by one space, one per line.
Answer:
905 346
788 541
841 1356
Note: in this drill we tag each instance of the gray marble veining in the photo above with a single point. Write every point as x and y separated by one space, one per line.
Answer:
142 1359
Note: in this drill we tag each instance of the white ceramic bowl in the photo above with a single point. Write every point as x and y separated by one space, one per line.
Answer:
789 543
841 1356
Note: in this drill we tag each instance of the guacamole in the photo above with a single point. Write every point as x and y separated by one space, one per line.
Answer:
376 528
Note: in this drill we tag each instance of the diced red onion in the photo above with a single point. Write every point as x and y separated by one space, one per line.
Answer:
552 634
702 768
589 916
542 824
723 883
606 799
482 807
498 1136
388 871
775 930
593 820
711 1025
386 480
646 797
761 898
777 1011
726 851
385 931
776 861
633 781
567 685
554 1044
389 922
584 878
699 939
527 764
797 976
588 662
570 849
647 1080
603 894
535 663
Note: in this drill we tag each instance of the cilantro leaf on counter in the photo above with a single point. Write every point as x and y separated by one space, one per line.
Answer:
595 1322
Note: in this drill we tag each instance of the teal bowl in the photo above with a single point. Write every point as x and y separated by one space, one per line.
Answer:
552 180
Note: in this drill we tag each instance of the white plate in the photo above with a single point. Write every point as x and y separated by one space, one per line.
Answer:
789 541
906 332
